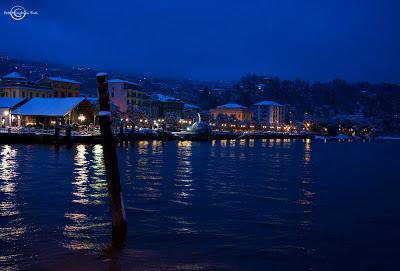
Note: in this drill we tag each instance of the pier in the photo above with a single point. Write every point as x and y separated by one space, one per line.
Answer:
33 136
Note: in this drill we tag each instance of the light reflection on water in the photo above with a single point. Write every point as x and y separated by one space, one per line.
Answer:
11 226
89 189
220 205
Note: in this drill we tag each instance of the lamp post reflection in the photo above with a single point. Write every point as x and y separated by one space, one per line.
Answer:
183 184
89 190
11 228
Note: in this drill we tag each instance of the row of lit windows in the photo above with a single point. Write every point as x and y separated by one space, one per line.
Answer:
32 94
29 95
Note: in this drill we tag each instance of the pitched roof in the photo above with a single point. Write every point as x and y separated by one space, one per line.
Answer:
14 75
123 81
268 103
10 102
164 98
190 106
232 105
64 80
54 107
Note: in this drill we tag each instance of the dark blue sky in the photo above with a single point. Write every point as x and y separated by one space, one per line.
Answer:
213 39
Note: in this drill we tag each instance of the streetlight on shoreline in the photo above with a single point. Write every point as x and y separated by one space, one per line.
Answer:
81 118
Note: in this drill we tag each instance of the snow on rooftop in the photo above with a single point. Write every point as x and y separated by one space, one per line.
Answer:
54 107
14 75
10 102
191 106
123 81
164 98
64 80
231 105
268 103
101 74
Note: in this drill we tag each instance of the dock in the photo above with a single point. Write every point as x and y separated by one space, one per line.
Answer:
40 136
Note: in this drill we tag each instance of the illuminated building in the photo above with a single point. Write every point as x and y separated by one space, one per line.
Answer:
237 111
62 87
46 111
126 95
14 85
270 112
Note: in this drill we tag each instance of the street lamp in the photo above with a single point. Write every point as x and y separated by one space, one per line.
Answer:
81 118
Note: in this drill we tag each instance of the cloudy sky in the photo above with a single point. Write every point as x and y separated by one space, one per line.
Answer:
212 39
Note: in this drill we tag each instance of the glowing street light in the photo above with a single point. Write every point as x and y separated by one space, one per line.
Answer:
6 113
81 118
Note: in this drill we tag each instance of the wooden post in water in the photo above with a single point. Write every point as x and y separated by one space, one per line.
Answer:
119 227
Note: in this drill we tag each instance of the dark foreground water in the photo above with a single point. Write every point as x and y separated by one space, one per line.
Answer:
225 205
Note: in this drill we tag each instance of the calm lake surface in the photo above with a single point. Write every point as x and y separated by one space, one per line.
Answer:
221 205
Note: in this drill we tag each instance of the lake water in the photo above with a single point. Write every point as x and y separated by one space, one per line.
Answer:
221 205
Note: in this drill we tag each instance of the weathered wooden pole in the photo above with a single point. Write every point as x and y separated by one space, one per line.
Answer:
68 134
119 227
57 130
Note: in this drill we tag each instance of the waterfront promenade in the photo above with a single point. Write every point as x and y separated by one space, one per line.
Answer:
32 135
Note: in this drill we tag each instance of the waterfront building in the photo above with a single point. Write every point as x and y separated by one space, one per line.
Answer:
269 112
240 112
14 85
151 107
7 106
46 111
168 106
126 95
62 87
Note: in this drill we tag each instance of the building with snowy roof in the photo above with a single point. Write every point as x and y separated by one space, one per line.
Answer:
191 106
15 85
7 106
127 96
237 111
269 112
167 105
45 111
61 87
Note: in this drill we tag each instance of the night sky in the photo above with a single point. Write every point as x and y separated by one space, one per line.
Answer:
213 39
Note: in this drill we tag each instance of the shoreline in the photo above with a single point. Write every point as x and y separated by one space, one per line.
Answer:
32 138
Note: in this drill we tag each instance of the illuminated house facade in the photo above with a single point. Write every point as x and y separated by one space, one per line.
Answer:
7 107
46 111
126 95
237 111
14 85
269 112
62 87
